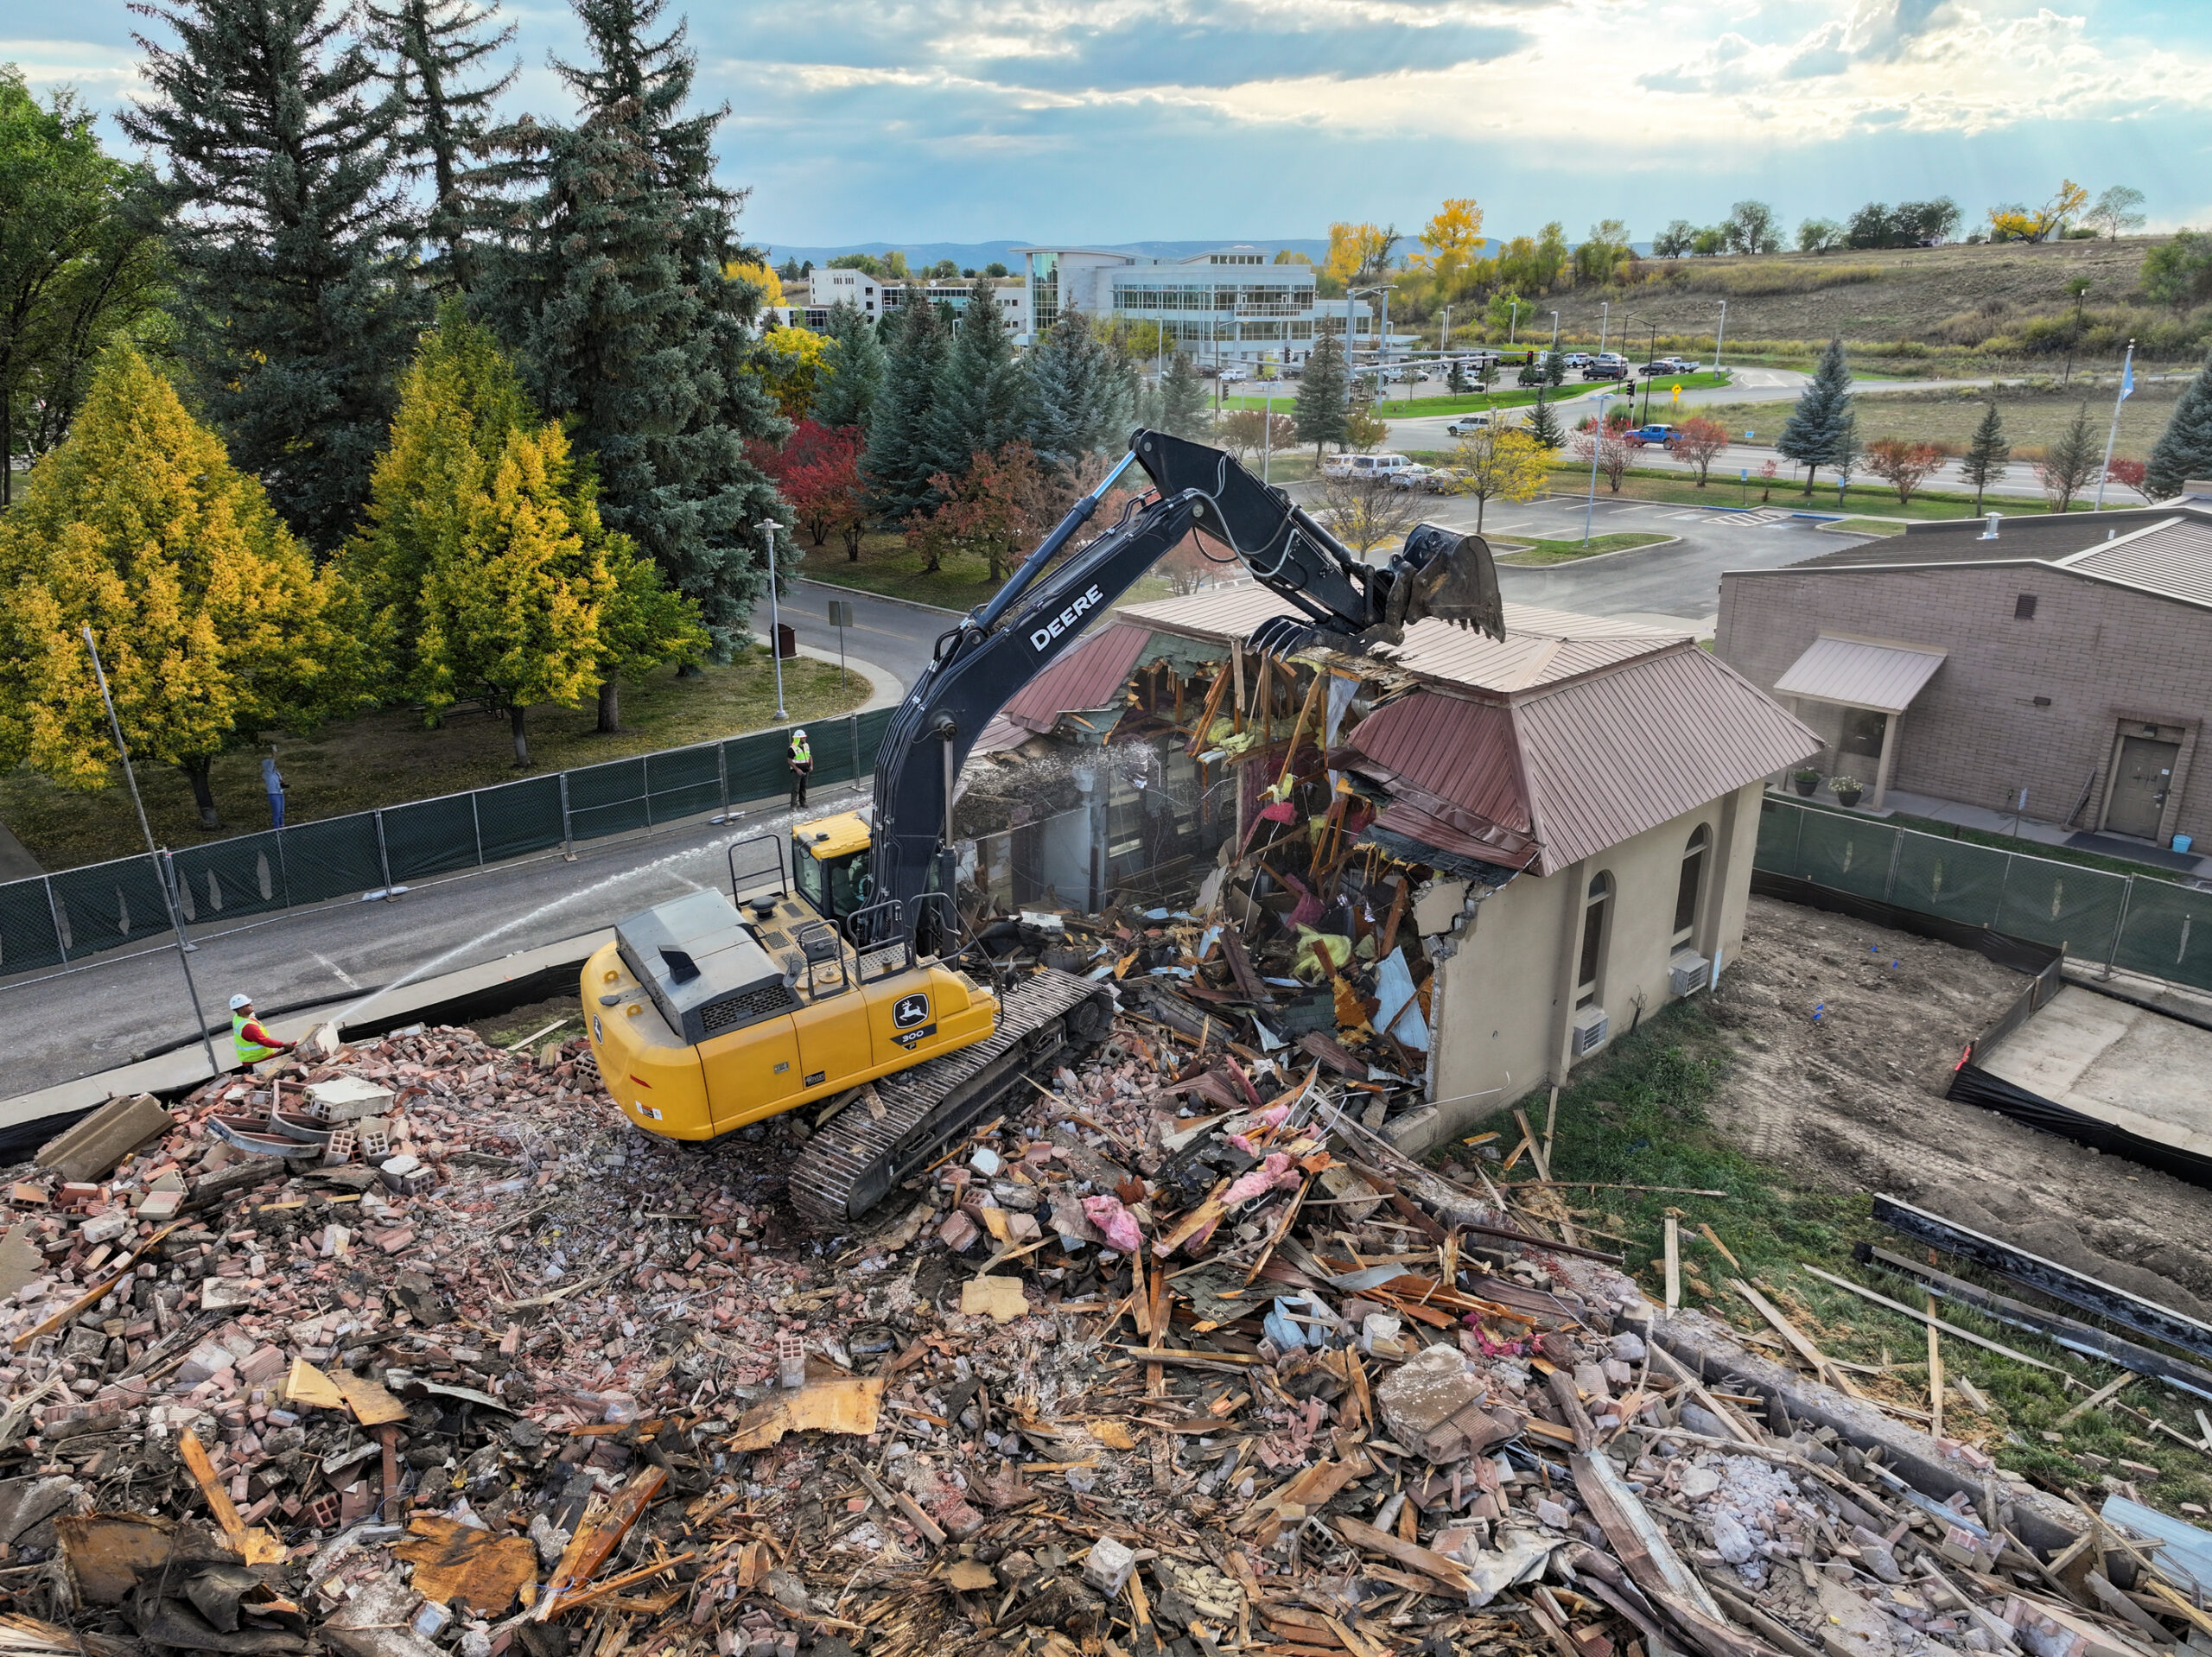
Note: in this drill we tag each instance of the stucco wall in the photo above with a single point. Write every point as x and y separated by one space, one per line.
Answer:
1505 997
2105 657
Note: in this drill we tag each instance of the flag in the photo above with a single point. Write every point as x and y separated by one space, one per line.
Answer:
2128 378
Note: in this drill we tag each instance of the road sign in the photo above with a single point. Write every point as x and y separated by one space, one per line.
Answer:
841 613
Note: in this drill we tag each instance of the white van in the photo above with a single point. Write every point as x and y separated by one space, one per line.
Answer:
1383 466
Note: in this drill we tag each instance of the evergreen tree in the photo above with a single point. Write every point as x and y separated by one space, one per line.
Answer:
1458 384
431 48
461 404
617 304
209 616
76 264
1319 410
510 611
1543 428
1986 454
900 445
1182 398
855 363
285 225
1082 396
2183 450
979 406
1822 430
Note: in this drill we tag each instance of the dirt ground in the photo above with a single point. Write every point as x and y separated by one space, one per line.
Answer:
1853 1099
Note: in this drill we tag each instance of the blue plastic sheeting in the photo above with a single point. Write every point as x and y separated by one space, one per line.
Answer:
1398 1012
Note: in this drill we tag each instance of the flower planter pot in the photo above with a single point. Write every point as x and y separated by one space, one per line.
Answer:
1805 785
1848 797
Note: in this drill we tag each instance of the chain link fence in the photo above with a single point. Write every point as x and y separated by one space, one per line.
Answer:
2135 922
56 919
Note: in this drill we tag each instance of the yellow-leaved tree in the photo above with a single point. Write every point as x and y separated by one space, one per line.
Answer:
1499 463
1357 253
484 570
1454 239
210 617
794 367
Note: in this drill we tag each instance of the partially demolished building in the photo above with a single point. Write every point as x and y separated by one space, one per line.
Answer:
1493 857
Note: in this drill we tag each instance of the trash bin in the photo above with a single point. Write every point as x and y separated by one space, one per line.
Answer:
2183 842
786 640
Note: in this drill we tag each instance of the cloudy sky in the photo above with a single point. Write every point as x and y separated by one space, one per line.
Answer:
1118 120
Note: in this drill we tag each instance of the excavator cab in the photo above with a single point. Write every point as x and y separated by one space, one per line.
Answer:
831 867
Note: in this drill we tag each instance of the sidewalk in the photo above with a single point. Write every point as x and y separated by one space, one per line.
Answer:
1986 821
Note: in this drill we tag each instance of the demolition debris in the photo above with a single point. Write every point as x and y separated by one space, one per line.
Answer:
416 1348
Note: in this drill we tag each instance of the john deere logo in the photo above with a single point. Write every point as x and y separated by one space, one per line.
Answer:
910 1011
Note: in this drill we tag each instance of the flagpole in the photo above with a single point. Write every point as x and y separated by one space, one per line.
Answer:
2126 385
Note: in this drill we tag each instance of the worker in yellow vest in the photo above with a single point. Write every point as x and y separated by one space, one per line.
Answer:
801 761
251 1037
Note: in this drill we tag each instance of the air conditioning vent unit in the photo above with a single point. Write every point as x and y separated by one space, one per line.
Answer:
1688 971
1590 1028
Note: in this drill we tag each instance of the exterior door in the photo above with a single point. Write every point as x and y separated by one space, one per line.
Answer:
2139 788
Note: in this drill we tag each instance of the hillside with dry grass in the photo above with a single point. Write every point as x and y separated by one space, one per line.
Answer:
1977 308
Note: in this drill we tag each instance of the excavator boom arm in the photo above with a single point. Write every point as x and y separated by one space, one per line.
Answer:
1038 615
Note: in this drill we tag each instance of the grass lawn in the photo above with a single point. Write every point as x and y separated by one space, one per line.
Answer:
1676 489
1565 552
1637 1116
887 567
388 757
2034 418
1871 525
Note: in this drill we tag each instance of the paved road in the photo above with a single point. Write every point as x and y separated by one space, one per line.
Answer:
118 1009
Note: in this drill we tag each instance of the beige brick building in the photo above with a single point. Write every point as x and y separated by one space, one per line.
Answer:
2068 656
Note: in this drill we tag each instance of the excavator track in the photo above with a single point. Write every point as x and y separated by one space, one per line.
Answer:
857 1158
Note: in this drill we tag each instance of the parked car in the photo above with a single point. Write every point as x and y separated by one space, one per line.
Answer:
1291 372
1424 481
1606 366
1359 467
1578 360
1231 374
1467 422
1412 374
1680 364
1657 432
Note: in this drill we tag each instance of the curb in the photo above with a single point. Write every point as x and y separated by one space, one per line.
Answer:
890 689
862 592
1595 557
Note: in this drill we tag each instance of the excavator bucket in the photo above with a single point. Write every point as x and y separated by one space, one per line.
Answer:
1448 576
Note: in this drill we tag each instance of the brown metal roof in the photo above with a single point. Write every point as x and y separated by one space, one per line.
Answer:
1860 673
2173 557
1614 754
1092 675
1546 779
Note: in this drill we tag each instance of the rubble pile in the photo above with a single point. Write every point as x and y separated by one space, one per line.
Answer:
417 1347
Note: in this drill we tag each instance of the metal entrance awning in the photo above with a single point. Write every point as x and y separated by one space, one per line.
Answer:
1883 677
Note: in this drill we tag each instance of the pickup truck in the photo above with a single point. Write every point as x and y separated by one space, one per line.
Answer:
1606 366
1662 435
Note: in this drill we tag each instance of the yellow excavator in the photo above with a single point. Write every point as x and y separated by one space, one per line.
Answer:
832 962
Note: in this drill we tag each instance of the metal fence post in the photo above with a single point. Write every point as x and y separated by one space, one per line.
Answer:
383 859
476 824
852 732
1897 852
2004 886
53 911
645 787
2119 924
1797 848
567 834
721 774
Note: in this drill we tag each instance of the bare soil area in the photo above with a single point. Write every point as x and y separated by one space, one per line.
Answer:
1848 1033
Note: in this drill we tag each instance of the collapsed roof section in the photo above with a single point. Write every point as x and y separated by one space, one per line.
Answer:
1571 735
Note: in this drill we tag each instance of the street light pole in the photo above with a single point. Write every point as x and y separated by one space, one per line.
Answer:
1720 337
1605 317
168 896
768 527
1649 377
1512 324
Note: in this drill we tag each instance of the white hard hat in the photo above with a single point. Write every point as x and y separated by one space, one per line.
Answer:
799 734
238 1002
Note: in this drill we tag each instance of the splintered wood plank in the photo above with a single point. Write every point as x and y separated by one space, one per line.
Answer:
1674 1264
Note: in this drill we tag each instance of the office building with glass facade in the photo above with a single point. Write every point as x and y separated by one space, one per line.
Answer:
1229 305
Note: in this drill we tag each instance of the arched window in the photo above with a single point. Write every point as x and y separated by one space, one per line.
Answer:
1594 914
1693 885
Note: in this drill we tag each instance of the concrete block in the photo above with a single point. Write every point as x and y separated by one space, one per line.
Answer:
347 1098
93 1145
105 1227
161 1206
1108 1567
